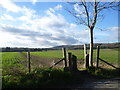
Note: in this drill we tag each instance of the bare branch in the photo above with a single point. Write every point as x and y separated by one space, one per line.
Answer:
107 6
87 13
95 15
80 19
96 6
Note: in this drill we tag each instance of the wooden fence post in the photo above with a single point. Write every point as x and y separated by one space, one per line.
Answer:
74 61
97 57
28 59
86 57
87 61
85 50
70 60
64 56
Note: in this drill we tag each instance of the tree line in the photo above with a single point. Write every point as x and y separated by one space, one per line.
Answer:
70 47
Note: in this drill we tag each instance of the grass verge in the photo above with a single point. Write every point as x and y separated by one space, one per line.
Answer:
40 78
104 73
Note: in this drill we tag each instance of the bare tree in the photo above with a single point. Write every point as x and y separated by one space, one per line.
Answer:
88 13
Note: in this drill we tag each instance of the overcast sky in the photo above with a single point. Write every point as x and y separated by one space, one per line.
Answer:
48 24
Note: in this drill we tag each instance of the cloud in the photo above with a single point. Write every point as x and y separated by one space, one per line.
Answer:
58 7
52 10
79 10
57 35
7 17
110 34
10 6
34 2
49 30
115 33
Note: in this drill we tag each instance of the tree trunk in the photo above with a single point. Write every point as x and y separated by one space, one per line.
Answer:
91 48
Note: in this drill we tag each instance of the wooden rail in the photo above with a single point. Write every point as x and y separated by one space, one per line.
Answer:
107 63
56 63
97 57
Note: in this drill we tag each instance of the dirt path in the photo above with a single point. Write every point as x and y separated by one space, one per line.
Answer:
94 83
90 82
101 83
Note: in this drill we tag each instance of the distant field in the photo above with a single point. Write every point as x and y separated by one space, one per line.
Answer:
10 58
110 55
12 62
14 71
19 59
58 54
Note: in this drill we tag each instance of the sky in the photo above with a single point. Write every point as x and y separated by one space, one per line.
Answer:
47 24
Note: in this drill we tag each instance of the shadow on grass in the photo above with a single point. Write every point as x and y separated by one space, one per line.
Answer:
41 78
54 78
104 73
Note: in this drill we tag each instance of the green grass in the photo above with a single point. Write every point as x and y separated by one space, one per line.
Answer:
109 55
11 55
15 75
104 72
39 78
58 54
11 58
49 54
11 62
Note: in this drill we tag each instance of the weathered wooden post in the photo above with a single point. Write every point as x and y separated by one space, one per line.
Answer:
85 50
86 57
87 61
64 56
97 57
28 59
70 60
74 61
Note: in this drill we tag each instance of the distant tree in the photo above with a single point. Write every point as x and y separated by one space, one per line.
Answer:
7 49
87 13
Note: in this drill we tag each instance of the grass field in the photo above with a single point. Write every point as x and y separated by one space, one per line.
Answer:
15 72
12 62
15 59
110 55
9 58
